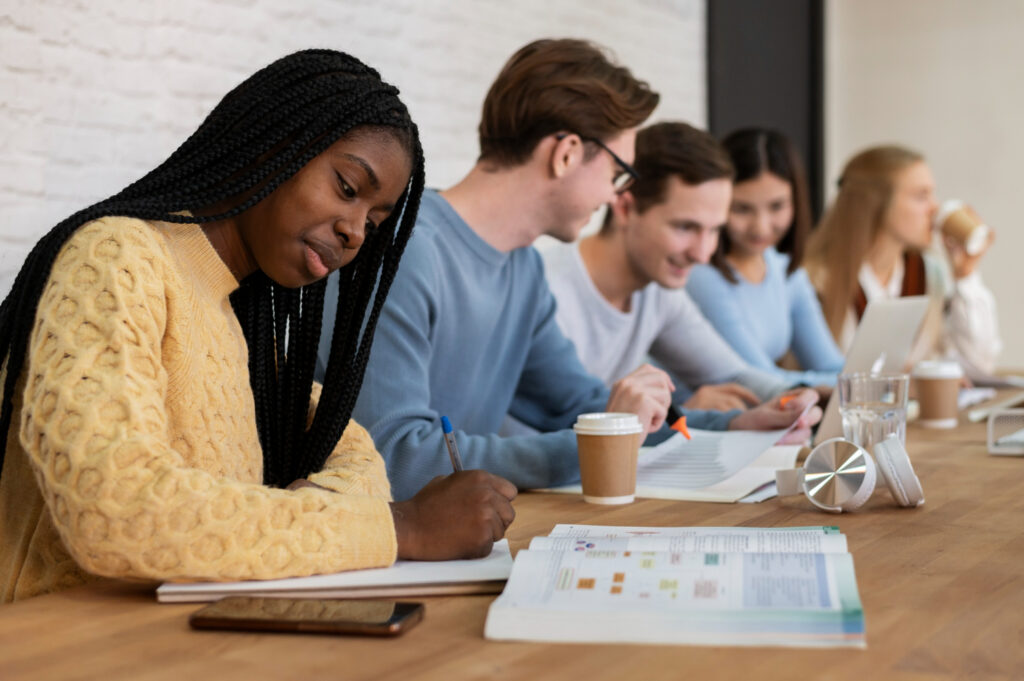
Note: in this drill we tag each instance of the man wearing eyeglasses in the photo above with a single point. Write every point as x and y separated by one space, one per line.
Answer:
468 330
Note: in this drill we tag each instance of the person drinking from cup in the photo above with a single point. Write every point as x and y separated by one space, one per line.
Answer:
873 243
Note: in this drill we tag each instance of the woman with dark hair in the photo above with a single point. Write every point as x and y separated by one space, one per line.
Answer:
754 292
159 410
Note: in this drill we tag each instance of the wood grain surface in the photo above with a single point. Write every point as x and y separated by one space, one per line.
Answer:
942 589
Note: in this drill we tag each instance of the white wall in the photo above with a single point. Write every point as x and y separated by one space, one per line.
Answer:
945 77
94 94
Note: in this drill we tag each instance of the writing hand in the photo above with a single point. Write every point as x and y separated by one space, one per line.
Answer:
456 516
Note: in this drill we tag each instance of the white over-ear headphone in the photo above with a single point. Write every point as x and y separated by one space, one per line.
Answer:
840 476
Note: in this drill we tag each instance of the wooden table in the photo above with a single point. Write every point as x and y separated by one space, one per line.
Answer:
942 589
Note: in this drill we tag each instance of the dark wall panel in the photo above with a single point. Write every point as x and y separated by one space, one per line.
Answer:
765 68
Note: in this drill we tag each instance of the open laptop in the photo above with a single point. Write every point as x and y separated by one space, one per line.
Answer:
883 340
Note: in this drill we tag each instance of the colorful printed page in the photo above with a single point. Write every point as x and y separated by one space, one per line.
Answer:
693 539
602 584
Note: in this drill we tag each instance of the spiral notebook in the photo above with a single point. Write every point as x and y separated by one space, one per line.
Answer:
404 578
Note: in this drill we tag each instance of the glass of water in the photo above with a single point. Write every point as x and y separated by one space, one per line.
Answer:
873 407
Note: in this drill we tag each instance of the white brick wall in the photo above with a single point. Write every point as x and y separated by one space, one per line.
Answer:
94 94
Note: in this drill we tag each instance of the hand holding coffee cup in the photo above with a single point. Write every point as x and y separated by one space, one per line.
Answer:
965 234
938 388
608 445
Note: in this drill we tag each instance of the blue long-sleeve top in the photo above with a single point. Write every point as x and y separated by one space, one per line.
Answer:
469 332
764 321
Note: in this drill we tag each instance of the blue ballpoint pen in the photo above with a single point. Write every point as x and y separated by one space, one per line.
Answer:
453 448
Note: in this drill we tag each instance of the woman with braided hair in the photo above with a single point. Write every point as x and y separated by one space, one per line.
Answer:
158 404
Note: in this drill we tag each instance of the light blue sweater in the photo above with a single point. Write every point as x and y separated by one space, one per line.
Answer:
469 332
764 321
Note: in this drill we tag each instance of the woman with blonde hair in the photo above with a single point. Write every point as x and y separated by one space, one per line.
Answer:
874 242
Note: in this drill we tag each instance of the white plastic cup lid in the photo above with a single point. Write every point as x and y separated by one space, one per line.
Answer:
937 368
948 206
977 241
607 423
979 237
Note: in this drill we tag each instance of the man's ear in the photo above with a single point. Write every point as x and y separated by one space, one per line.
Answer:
565 155
623 206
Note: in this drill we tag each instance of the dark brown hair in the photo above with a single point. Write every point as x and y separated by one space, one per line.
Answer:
554 86
672 149
755 151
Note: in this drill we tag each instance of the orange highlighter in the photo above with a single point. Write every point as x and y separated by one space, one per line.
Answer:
677 421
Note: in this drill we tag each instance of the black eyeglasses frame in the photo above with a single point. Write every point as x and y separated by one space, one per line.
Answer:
627 174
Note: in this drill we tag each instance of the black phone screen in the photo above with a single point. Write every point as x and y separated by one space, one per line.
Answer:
382 618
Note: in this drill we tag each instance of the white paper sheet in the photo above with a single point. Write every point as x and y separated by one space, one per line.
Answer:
657 478
692 539
405 577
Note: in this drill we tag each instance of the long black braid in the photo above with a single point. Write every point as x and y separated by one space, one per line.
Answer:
258 136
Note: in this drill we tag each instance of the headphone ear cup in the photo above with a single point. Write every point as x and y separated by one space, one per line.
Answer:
867 488
839 476
898 472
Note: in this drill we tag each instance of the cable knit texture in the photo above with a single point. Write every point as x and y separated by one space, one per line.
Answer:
138 454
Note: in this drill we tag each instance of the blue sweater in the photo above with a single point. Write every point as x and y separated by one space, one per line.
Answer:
764 321
469 332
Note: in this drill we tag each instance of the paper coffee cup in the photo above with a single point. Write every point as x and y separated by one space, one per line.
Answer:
938 386
608 443
956 220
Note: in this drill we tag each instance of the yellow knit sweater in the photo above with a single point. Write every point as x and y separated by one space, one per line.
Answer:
136 453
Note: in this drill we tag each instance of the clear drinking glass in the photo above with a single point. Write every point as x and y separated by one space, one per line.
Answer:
873 407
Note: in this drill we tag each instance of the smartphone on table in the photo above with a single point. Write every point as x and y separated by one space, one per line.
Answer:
315 616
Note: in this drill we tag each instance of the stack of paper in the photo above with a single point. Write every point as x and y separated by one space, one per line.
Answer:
723 466
404 578
684 585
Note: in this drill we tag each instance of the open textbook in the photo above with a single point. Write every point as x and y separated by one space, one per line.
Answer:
682 585
722 466
404 578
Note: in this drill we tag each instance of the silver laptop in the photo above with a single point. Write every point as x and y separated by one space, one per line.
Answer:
882 343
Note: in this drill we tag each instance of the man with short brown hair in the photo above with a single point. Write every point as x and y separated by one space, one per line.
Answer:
468 330
620 292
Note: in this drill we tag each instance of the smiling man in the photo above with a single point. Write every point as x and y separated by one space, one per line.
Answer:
619 292
468 330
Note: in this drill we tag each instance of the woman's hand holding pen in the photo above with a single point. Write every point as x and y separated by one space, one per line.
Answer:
456 516
647 392
792 408
722 397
